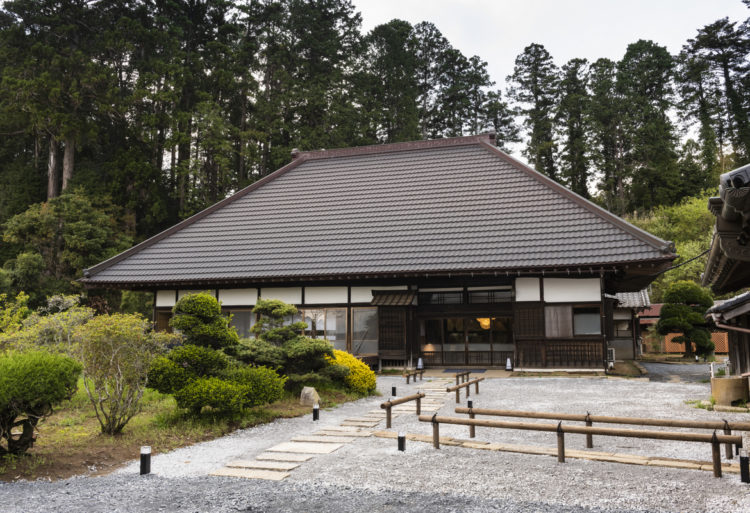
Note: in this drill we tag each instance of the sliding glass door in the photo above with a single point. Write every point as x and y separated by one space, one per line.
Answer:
466 340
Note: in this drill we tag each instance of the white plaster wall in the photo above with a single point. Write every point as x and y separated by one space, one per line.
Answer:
183 293
325 295
238 297
165 298
527 289
569 290
291 295
621 314
364 294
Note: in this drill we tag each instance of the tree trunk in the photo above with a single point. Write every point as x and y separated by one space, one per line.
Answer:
52 176
68 161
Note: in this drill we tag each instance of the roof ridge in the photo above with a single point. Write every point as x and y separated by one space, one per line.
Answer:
374 149
642 235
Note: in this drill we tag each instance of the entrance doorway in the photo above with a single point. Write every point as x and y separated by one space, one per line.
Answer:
466 340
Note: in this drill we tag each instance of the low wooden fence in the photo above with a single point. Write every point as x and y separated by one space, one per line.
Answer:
393 402
714 439
724 425
467 385
462 377
413 374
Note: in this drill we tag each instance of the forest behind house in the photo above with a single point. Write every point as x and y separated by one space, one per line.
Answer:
119 118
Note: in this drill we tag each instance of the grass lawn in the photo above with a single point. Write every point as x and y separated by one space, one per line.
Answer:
70 442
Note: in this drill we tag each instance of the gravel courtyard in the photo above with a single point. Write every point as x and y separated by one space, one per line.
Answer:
370 475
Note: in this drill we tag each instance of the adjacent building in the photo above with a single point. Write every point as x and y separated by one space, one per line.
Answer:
447 250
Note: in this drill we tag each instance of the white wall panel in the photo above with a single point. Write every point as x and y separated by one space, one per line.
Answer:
569 290
325 295
364 294
527 289
238 297
291 295
165 298
183 293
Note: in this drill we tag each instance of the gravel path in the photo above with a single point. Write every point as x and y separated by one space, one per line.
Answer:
370 475
687 372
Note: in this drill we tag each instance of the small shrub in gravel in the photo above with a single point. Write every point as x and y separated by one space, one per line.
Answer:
30 385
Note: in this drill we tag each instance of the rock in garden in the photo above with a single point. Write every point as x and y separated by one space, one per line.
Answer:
309 396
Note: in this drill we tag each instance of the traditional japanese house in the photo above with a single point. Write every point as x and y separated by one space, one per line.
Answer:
449 250
728 266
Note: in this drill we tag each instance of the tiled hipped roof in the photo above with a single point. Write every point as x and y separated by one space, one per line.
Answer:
425 207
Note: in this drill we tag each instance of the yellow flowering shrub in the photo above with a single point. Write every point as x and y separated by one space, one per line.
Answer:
360 379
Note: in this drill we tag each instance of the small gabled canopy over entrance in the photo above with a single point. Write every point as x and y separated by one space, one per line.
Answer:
393 297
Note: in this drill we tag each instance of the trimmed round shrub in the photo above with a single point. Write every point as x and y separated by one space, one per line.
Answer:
198 317
222 396
361 378
261 384
30 385
198 360
305 354
166 376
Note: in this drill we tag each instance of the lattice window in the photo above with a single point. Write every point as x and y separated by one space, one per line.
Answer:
529 321
392 323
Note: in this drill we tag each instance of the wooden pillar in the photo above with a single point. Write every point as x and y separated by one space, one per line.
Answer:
728 446
468 391
388 417
458 395
716 455
560 444
472 428
589 436
477 387
419 406
435 434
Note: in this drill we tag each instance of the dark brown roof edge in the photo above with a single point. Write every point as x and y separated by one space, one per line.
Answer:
395 147
657 243
590 268
190 220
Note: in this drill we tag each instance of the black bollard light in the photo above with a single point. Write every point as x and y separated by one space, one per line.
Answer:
744 466
393 391
401 441
145 459
316 412
469 403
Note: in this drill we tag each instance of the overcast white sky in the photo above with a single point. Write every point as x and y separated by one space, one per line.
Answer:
498 30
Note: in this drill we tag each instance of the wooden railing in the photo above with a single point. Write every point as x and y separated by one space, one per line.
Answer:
467 385
393 402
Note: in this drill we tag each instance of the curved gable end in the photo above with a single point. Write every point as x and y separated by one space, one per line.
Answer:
425 208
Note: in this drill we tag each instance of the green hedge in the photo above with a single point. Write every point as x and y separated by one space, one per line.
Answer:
30 385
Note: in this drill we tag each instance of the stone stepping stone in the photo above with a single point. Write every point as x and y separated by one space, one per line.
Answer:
359 423
360 419
305 447
327 432
264 465
326 439
283 456
249 473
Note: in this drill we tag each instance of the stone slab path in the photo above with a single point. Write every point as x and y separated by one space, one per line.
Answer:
276 462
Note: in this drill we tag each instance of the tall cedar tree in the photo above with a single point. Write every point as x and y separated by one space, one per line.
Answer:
534 89
571 115
644 80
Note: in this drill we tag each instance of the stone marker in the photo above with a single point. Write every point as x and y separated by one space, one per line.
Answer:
309 397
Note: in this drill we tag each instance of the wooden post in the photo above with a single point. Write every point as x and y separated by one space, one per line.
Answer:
435 434
728 447
716 455
468 391
457 378
589 436
458 395
477 387
419 406
388 417
407 378
472 428
560 444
